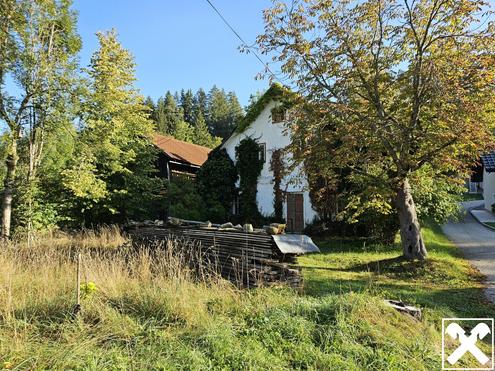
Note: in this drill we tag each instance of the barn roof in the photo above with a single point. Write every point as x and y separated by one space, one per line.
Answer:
181 151
489 162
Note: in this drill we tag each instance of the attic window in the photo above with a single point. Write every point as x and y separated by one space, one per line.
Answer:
278 115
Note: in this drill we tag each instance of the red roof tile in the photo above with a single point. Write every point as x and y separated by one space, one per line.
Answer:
181 151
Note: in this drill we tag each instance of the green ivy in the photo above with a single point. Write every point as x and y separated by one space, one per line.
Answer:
249 167
275 92
277 166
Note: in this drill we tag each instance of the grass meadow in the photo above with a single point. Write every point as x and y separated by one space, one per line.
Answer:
142 311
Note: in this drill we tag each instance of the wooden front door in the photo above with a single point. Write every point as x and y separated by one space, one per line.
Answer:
295 212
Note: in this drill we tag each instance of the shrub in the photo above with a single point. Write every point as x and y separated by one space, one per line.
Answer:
183 200
216 184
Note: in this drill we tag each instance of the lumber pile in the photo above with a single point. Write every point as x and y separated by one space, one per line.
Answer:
247 257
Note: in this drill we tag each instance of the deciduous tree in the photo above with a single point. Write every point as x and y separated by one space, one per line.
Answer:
38 44
113 175
396 86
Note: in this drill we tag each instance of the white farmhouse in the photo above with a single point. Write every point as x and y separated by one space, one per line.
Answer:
268 128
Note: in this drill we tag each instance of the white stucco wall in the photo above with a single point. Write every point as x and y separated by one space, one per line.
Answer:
263 131
488 189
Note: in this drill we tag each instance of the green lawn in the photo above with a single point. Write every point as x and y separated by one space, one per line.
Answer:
146 314
446 285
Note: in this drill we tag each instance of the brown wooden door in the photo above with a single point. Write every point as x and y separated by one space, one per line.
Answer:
295 212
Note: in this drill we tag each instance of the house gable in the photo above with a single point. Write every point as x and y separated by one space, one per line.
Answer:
272 136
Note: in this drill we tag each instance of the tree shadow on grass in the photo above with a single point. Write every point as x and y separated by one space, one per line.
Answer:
455 302
398 266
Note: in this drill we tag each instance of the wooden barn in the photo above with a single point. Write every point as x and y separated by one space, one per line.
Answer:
178 158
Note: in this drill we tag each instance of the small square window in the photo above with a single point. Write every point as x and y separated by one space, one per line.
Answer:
262 152
278 115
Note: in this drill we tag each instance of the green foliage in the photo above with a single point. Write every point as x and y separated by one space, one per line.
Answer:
437 194
88 290
223 112
113 177
167 115
275 92
200 103
215 113
183 200
151 318
386 95
249 166
184 131
201 135
187 105
38 87
216 184
277 166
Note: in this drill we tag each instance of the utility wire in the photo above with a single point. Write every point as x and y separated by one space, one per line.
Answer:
265 65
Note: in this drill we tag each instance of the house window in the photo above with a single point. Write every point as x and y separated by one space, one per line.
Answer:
236 206
278 115
262 152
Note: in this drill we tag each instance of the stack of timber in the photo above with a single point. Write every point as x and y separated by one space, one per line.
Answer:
248 259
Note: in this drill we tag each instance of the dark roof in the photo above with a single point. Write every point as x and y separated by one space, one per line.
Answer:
489 162
181 151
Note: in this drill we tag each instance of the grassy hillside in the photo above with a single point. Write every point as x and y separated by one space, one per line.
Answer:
154 313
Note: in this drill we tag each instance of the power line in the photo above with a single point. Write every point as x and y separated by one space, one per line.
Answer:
265 65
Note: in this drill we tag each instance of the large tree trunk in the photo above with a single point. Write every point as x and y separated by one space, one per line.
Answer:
8 191
410 231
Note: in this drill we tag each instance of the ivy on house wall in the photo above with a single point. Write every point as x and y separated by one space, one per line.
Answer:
277 166
275 92
249 165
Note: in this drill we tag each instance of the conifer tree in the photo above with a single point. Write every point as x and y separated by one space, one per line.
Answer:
184 131
218 112
235 111
202 135
187 105
167 115
201 104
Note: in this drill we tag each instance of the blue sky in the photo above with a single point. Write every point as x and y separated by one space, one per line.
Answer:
180 43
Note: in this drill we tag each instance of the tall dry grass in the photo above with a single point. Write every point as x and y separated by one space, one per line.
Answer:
155 309
160 285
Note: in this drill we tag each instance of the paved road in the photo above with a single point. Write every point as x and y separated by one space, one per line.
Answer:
478 245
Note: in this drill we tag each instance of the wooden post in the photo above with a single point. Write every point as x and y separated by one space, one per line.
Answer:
77 307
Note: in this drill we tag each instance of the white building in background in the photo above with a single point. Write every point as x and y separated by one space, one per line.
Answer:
488 181
269 131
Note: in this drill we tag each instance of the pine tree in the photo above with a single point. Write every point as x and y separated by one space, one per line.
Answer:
184 131
167 114
218 112
200 105
202 135
236 112
187 105
149 102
